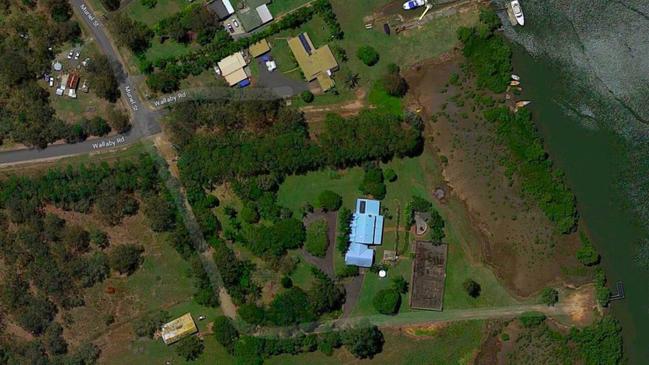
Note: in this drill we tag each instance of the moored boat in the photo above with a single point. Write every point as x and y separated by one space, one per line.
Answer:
413 4
518 12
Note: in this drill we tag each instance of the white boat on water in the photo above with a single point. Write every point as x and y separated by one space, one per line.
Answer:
522 103
413 4
518 12
516 77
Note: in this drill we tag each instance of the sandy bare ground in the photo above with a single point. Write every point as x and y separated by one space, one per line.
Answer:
520 243
314 113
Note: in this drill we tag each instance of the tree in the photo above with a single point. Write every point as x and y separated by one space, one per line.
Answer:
111 5
86 354
225 333
99 238
329 201
400 284
53 227
393 83
163 81
317 238
102 78
60 10
390 175
387 301
119 121
160 212
351 80
372 183
249 213
190 348
531 319
290 307
368 55
251 313
324 295
363 342
472 288
54 341
600 343
92 270
147 326
549 296
131 33
126 258
97 126
75 133
75 238
286 282
307 96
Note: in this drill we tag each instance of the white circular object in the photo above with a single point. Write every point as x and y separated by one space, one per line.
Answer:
58 66
383 273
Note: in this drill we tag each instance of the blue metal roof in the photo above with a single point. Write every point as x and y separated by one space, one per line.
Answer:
367 206
359 255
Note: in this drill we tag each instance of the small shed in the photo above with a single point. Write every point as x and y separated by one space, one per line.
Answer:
259 48
178 328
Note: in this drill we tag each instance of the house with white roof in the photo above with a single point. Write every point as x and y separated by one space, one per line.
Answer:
366 230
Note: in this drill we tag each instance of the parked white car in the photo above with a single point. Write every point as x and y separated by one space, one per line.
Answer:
51 81
76 55
70 54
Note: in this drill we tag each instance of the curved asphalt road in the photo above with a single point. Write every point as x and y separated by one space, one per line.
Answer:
145 122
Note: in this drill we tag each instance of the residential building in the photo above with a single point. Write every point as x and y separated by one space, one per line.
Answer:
178 328
254 15
316 63
366 230
222 8
73 83
233 68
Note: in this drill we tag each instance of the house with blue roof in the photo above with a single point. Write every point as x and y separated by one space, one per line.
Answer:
366 230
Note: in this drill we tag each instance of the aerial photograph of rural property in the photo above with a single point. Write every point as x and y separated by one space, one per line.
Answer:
318 182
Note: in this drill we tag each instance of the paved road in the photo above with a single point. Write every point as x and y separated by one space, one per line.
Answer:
145 121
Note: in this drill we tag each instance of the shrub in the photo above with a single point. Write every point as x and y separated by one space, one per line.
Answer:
329 201
363 342
225 333
147 326
372 183
111 5
549 296
249 213
390 175
400 284
251 313
387 301
600 343
368 55
472 288
531 319
189 348
317 239
126 258
393 83
287 283
307 96
587 254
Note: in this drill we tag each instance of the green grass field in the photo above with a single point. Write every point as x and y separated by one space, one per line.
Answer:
454 344
170 48
164 8
380 98
416 176
281 7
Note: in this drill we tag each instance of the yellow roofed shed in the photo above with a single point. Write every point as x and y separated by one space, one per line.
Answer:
259 48
178 328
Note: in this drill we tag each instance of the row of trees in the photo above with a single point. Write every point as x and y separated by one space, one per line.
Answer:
195 18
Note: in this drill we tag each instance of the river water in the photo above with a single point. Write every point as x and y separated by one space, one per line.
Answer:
585 66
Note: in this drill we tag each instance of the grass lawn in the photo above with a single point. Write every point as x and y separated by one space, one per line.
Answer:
415 176
454 344
302 276
169 48
280 7
383 101
164 8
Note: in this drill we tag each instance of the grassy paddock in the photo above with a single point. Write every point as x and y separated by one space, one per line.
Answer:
281 7
164 8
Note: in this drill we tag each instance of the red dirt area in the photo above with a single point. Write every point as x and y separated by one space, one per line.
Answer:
519 242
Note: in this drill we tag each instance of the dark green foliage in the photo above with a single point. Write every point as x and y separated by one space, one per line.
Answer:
317 239
252 314
160 211
53 227
531 164
487 54
603 294
54 341
393 83
91 270
102 78
329 201
75 238
249 213
600 343
328 342
236 274
372 183
342 241
205 295
60 10
290 307
75 134
307 96
163 81
119 121
387 301
400 284
472 288
368 55
111 5
550 296
390 175
99 238
189 348
324 295
324 9
531 319
126 258
363 342
225 332
194 18
275 240
587 254
150 4
130 33
96 126
147 325
36 315
286 282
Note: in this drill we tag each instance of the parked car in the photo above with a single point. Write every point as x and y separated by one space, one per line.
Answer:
51 81
70 54
236 23
76 55
85 62
230 28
